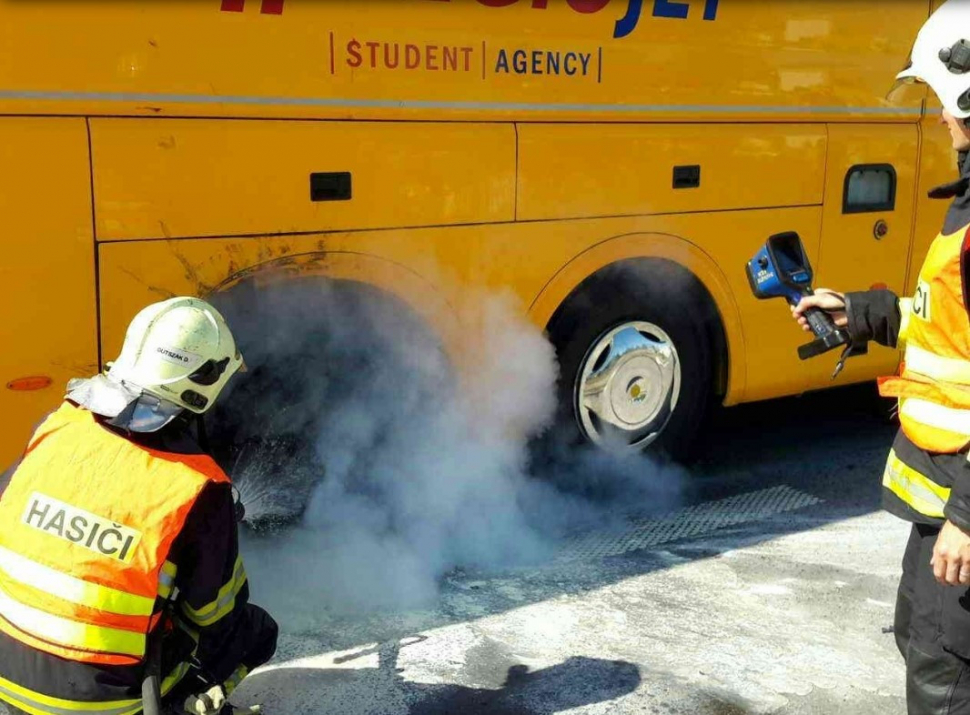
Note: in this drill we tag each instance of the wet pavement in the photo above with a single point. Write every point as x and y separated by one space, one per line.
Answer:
769 589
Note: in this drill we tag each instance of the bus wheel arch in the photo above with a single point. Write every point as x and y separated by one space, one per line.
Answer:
397 281
321 334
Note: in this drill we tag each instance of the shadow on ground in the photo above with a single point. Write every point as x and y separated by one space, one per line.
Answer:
574 683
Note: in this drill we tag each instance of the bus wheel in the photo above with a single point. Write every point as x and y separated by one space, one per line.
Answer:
636 365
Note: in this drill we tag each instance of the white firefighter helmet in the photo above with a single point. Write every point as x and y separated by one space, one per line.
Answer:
178 355
941 57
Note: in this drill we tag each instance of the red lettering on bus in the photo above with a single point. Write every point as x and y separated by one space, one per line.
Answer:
412 56
588 6
583 6
268 7
379 55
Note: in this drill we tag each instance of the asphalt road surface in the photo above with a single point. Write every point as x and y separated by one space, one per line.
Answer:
769 589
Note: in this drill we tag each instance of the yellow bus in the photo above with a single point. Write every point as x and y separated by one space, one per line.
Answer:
612 163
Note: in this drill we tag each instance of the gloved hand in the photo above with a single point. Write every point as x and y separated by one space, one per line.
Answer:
214 702
210 702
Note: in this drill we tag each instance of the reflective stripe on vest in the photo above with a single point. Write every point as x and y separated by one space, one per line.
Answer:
37 704
937 367
63 631
918 491
83 542
934 385
935 415
38 576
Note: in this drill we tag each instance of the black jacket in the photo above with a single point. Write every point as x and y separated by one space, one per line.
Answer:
875 315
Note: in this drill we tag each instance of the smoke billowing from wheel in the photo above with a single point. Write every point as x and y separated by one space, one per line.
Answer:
370 466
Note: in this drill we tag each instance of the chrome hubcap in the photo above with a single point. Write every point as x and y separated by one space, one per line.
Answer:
628 386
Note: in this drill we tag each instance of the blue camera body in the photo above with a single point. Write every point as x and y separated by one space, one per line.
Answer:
781 270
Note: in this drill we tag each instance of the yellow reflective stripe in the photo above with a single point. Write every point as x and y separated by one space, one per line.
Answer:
905 312
235 679
944 369
37 704
35 707
83 593
931 414
920 492
173 678
166 579
73 634
224 603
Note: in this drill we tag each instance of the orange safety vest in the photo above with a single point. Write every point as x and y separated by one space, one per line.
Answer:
86 525
933 386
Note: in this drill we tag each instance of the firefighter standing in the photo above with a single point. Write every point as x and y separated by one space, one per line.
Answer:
927 477
116 517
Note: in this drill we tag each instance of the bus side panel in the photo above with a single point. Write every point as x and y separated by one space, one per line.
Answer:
49 326
938 165
539 263
190 178
571 171
865 241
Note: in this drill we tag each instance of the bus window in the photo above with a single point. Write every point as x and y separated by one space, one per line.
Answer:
869 188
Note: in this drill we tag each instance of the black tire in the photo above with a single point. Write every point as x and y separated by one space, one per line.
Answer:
656 292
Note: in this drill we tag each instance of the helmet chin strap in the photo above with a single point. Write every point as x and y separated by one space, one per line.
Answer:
201 433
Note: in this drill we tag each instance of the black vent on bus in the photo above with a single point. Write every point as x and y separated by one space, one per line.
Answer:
331 186
687 177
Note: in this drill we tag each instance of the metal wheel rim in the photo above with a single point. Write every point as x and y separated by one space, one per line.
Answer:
627 386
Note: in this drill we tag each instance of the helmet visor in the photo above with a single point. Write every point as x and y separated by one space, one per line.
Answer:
101 395
148 413
123 405
907 91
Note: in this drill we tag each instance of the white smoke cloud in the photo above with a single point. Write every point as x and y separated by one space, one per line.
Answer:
406 468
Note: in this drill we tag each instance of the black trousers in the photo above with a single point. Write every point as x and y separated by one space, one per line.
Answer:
252 645
932 627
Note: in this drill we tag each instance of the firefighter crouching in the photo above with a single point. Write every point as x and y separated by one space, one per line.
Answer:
116 517
927 478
